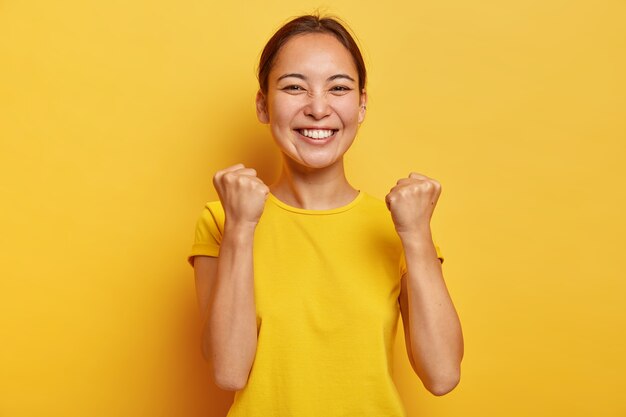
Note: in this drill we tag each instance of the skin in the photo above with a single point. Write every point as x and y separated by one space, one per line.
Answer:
304 93
314 84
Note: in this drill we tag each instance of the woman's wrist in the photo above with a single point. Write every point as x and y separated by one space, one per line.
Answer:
239 231
418 235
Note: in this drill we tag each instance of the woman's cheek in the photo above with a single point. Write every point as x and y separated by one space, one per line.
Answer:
349 110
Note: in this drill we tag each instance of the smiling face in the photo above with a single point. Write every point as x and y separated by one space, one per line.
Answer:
312 104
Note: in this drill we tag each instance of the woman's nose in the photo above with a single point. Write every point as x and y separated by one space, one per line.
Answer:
317 106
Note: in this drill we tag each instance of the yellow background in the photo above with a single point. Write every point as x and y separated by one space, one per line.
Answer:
114 116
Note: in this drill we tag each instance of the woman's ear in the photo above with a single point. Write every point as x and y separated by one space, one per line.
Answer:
261 108
363 105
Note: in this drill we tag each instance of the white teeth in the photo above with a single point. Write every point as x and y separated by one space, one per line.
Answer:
317 133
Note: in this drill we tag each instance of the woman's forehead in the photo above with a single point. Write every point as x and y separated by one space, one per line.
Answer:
313 54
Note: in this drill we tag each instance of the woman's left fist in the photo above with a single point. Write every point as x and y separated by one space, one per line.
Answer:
412 202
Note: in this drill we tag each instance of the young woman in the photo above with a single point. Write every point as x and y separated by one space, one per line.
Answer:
301 283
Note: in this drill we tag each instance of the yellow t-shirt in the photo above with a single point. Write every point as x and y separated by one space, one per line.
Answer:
326 287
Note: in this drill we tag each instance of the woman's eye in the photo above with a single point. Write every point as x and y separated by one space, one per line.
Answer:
293 88
340 88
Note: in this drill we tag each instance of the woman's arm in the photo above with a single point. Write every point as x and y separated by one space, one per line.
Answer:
225 284
225 287
432 327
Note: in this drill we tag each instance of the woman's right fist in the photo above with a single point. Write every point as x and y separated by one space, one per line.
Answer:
242 194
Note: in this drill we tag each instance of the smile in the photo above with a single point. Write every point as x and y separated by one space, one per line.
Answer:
316 133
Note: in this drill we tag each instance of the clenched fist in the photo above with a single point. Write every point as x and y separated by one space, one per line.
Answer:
242 194
412 202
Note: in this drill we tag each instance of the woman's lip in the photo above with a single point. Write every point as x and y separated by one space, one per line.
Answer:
321 141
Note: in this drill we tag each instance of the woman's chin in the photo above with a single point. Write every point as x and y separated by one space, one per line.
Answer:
315 161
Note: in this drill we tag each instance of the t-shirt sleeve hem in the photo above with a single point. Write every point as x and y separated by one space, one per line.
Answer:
439 255
203 250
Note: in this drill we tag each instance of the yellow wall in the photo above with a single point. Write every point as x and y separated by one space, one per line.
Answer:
114 115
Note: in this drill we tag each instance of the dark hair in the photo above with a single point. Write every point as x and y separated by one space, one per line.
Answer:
304 25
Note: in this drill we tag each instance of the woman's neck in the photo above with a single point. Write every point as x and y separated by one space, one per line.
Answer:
313 189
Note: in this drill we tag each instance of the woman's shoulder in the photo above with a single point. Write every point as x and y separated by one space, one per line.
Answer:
214 206
212 215
215 209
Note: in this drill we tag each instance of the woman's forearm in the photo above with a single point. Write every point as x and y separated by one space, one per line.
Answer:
436 336
231 327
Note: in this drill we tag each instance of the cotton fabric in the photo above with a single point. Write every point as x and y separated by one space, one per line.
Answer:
326 287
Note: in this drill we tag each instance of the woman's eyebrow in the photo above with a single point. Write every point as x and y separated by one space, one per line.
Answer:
334 77
302 77
294 75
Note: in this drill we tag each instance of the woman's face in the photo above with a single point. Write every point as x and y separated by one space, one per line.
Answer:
313 105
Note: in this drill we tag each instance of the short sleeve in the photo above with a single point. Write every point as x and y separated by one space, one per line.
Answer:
209 230
403 269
